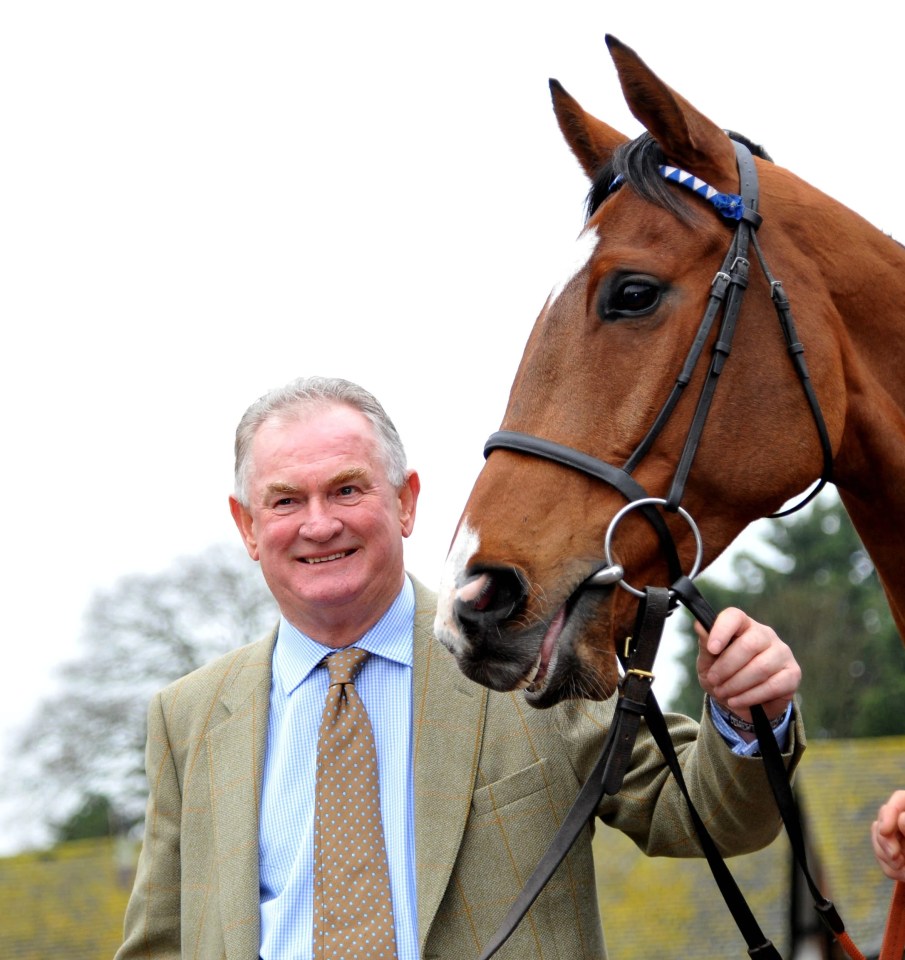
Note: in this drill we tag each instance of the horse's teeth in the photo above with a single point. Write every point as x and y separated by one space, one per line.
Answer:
528 679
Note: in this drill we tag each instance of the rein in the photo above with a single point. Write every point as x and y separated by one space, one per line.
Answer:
636 699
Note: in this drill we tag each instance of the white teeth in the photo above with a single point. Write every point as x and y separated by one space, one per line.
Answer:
527 680
546 648
333 556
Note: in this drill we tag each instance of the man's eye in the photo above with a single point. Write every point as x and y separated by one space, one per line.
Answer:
346 491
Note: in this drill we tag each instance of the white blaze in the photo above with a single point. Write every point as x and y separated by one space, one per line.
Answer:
467 542
464 547
581 256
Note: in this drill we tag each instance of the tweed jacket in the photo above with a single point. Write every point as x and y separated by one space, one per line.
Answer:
493 779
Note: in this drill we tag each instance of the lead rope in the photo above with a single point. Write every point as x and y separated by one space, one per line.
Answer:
636 700
759 946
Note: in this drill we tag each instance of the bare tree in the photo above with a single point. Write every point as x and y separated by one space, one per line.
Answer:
147 630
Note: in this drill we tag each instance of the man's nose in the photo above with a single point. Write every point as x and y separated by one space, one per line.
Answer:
319 523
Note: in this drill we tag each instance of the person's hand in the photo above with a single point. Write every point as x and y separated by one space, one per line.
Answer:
742 662
888 836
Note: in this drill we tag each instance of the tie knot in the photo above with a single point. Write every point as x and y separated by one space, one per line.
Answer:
344 665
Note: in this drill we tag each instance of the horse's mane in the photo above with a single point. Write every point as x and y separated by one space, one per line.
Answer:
637 163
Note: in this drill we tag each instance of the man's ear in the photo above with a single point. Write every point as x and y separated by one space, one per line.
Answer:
245 523
408 502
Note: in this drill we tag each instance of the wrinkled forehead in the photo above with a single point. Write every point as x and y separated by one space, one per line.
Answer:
333 436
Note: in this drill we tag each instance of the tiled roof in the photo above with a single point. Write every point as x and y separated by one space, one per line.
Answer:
68 902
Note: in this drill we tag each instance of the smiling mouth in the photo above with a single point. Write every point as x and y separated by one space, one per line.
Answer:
328 559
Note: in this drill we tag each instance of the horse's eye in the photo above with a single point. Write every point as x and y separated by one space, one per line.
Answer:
628 297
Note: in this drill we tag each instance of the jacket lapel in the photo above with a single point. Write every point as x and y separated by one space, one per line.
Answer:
448 722
237 746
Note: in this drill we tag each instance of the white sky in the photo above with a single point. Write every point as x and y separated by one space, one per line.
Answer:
203 200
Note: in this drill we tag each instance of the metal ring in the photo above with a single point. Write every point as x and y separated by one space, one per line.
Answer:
643 502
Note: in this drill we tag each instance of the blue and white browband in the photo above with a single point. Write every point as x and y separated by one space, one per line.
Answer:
729 205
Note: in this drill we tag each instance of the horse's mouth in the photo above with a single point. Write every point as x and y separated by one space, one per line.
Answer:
565 655
559 671
533 681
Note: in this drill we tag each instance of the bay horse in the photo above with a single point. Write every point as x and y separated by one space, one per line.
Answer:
519 604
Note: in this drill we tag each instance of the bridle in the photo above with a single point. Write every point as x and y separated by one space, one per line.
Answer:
726 294
636 699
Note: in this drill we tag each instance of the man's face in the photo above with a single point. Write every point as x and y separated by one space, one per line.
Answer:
324 521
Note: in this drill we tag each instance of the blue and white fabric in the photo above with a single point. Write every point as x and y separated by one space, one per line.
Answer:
287 804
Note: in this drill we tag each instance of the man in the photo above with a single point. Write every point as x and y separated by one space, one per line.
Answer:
472 784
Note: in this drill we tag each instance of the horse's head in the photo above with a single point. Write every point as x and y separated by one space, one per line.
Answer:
516 606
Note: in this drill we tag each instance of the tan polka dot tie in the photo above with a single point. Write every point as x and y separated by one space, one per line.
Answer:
353 912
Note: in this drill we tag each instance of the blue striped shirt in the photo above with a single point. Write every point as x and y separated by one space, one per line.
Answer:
287 803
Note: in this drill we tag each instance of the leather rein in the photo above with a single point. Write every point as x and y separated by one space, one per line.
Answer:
636 699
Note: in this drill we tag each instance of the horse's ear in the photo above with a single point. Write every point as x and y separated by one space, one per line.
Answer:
590 139
686 136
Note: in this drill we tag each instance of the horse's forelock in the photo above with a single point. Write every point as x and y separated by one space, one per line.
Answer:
638 162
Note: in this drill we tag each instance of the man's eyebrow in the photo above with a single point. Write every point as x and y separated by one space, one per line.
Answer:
280 487
350 475
346 476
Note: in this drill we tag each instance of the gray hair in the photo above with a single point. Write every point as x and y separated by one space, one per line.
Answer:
308 392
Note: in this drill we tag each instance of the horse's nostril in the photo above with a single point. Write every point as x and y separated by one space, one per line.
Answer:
490 597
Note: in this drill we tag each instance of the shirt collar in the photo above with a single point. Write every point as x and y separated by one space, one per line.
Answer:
296 654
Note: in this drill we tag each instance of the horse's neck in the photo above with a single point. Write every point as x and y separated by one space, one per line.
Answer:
880 527
870 463
870 476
